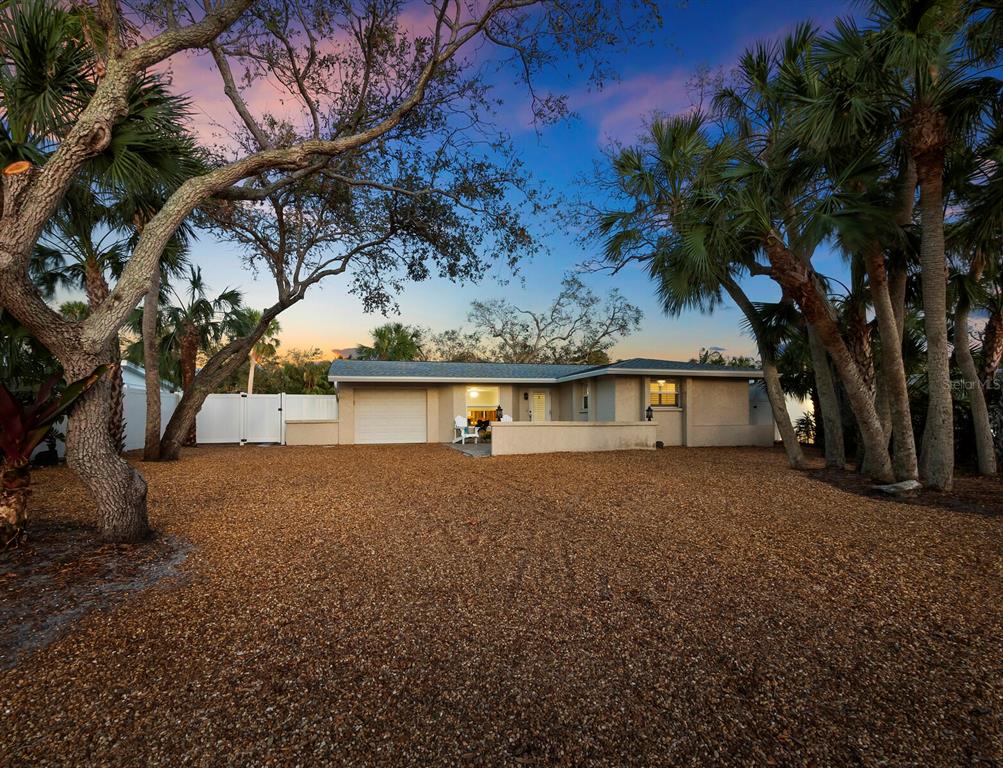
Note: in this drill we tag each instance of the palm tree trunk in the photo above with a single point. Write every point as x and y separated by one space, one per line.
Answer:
937 457
800 283
250 373
96 288
771 378
151 364
985 448
828 401
992 349
13 513
188 355
892 386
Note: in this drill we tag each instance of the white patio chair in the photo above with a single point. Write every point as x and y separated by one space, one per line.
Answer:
506 418
464 430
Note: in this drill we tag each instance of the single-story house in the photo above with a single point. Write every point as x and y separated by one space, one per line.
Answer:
541 408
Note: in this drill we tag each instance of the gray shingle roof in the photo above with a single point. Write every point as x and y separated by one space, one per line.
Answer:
647 363
466 371
536 372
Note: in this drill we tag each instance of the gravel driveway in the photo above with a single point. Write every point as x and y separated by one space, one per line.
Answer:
411 606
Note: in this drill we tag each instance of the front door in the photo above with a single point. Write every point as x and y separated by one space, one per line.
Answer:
539 410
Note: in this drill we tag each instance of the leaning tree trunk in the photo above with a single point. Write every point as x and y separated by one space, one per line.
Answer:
250 373
985 447
217 368
937 457
151 364
893 385
800 283
830 417
118 489
771 378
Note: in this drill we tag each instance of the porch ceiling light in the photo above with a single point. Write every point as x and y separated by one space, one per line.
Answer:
474 393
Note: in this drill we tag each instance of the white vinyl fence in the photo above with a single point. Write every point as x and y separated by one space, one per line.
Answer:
258 418
223 418
134 415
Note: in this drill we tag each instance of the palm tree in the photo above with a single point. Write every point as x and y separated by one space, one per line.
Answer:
928 83
265 348
693 259
786 203
393 341
81 248
194 323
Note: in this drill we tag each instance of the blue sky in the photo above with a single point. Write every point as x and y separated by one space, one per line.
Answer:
707 33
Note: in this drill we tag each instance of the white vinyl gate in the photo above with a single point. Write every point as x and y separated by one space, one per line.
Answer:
243 418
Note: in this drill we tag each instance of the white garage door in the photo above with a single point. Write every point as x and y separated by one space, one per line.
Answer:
390 416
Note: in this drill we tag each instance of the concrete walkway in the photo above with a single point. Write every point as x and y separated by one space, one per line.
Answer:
476 450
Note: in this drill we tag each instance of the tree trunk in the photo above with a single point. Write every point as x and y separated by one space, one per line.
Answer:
829 418
893 384
13 515
213 373
151 364
771 378
118 489
985 447
189 356
937 458
800 283
96 288
992 349
250 374
898 267
816 413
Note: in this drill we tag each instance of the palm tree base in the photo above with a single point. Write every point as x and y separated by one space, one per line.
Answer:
13 516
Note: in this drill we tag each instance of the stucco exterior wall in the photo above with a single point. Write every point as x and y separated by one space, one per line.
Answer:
452 403
630 400
717 413
668 425
712 412
312 432
605 398
346 414
564 394
570 436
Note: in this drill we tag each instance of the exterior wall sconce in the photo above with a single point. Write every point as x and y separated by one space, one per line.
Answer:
499 412
650 413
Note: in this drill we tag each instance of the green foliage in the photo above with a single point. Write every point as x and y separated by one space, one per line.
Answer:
716 356
23 427
804 428
393 341
24 362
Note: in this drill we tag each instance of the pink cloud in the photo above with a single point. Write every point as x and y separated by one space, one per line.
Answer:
621 109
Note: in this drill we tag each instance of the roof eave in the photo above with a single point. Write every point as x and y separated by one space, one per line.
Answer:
440 380
722 374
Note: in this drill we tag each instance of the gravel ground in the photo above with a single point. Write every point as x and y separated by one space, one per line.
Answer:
411 606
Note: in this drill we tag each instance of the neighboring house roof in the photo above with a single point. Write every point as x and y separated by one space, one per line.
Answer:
516 373
137 374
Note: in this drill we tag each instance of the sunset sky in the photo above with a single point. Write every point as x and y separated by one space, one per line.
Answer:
653 77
